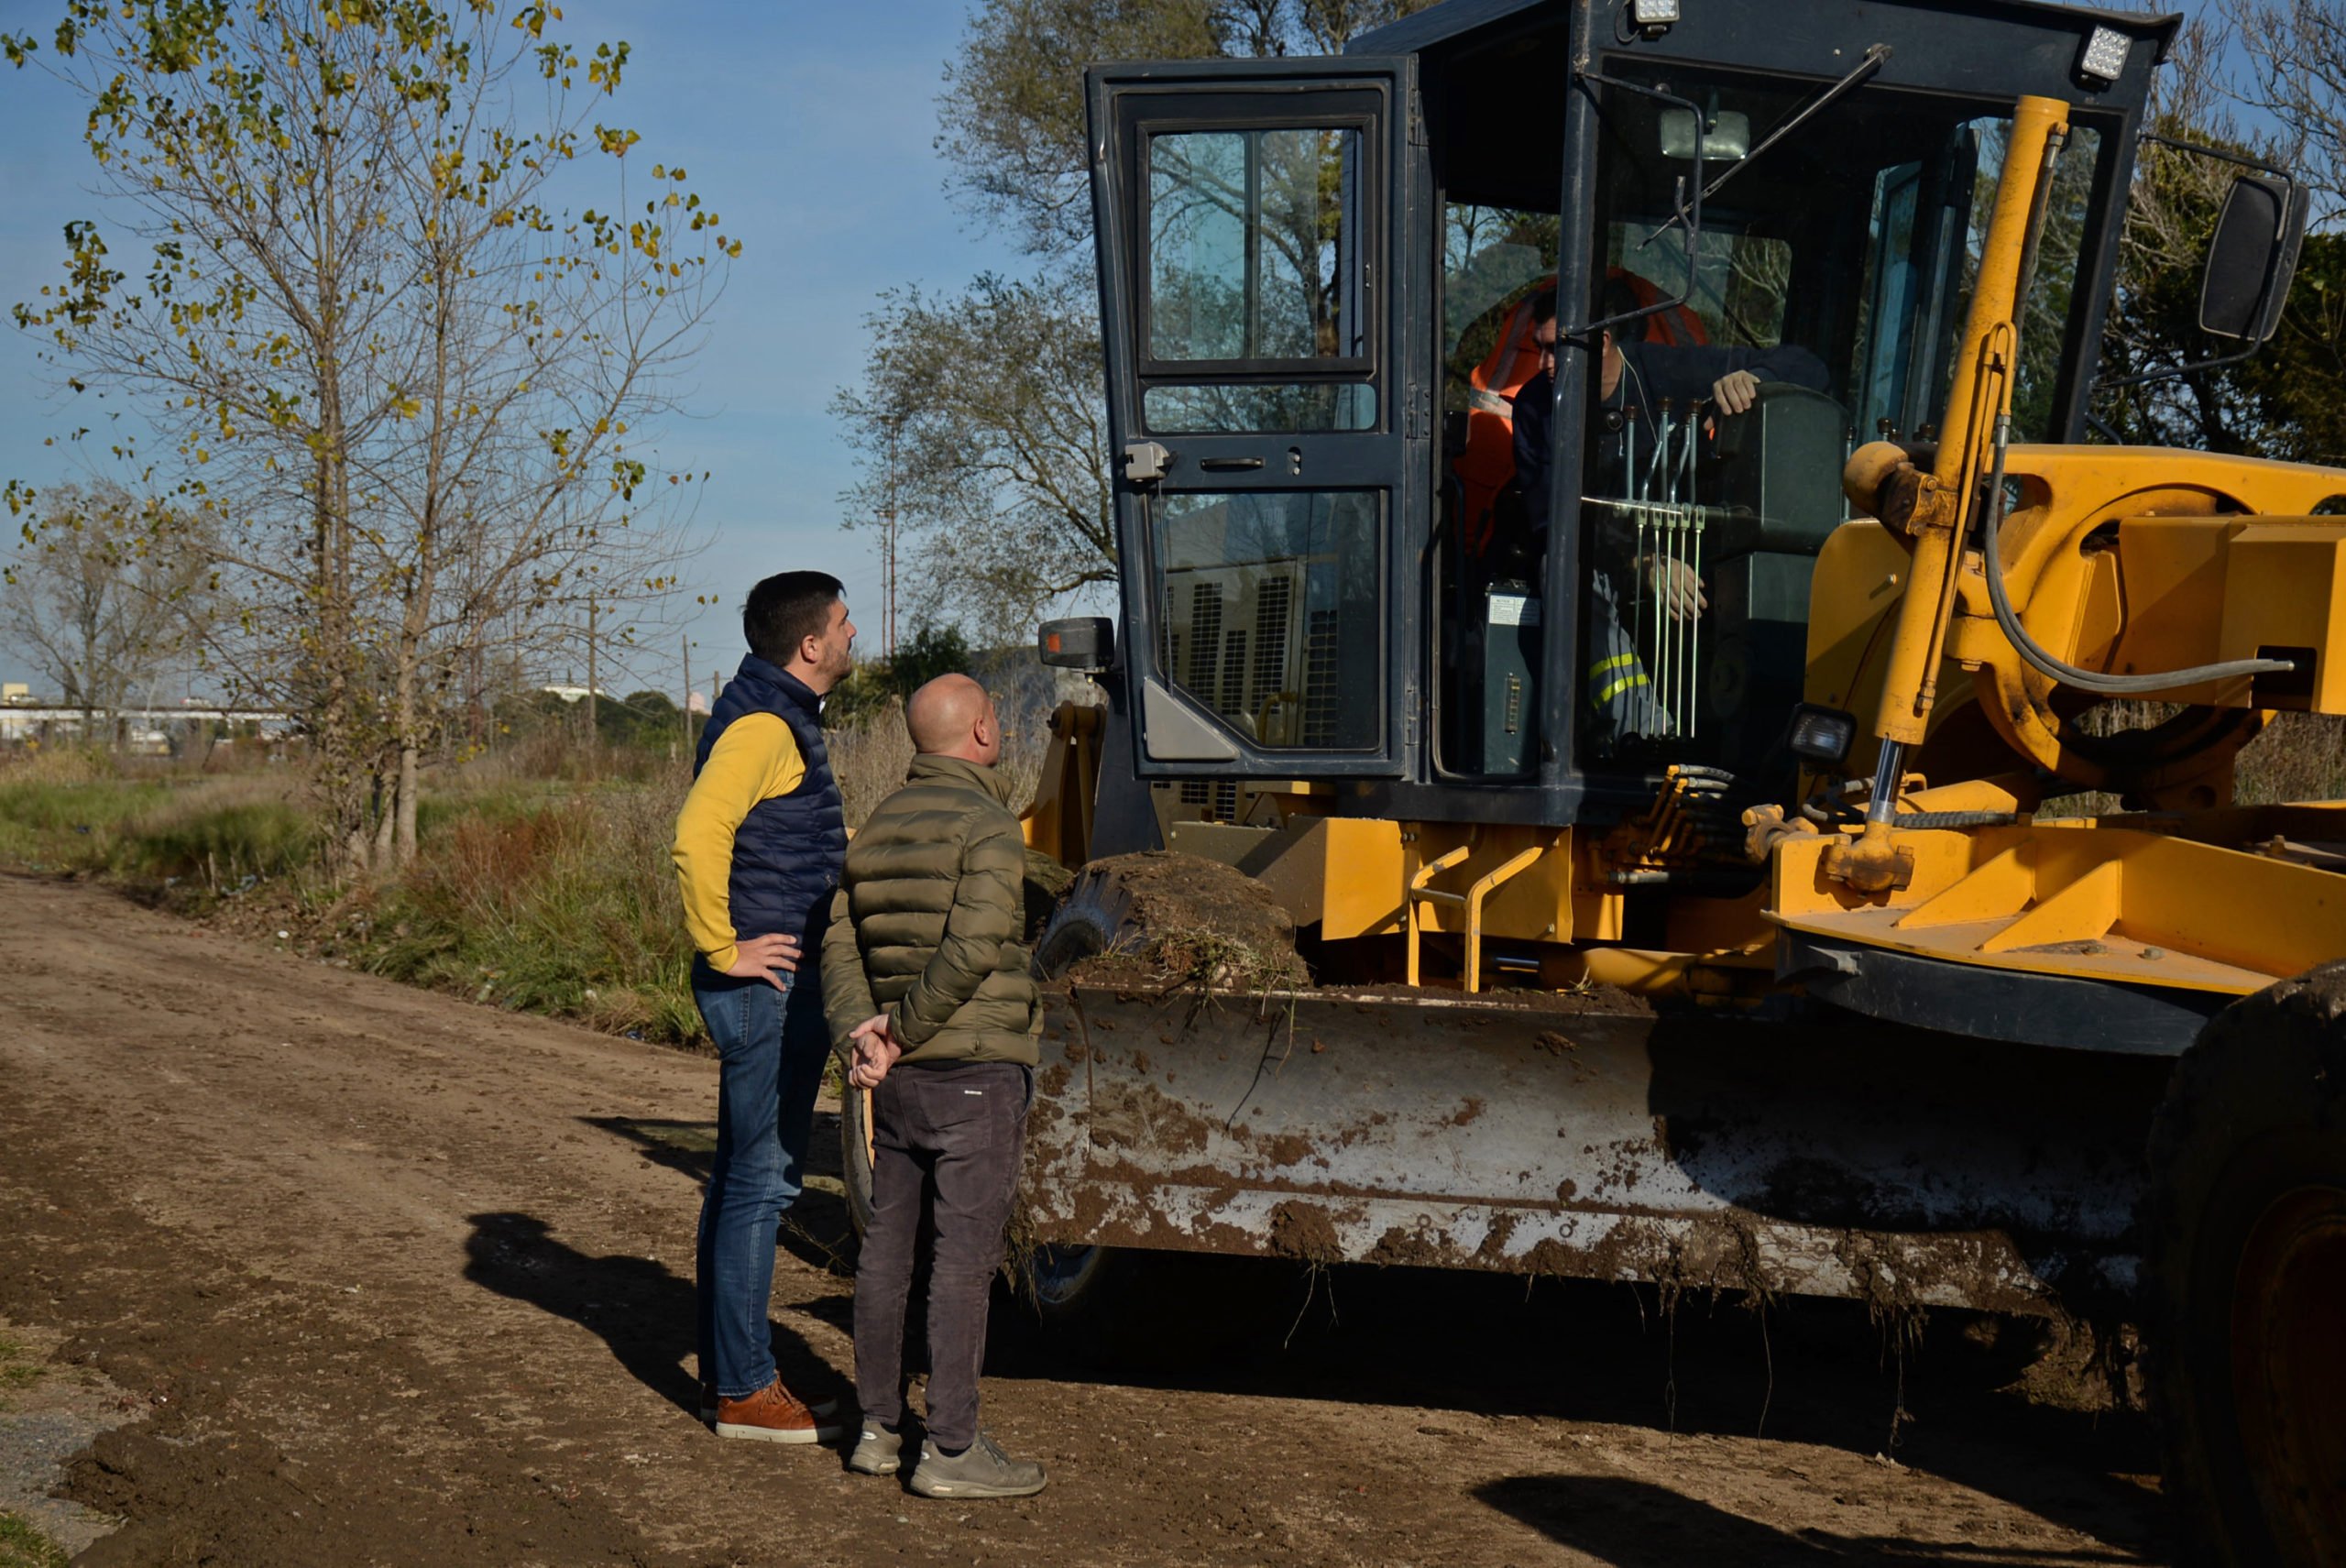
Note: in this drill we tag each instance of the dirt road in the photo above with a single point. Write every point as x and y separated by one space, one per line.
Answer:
387 1279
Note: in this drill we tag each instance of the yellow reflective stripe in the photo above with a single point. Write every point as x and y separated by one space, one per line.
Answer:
1614 663
1617 687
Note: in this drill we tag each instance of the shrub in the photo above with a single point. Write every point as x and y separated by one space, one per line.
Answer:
566 907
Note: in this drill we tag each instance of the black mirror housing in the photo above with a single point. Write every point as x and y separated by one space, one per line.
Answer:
2252 258
1086 643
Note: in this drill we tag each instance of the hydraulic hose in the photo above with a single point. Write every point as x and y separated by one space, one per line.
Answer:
2045 663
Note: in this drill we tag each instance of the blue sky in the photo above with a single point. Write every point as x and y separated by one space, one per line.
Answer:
807 125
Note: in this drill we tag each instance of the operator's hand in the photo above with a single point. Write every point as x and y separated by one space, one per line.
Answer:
767 958
1677 586
876 1049
1735 391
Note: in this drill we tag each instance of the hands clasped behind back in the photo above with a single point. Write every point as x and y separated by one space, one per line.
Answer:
873 1048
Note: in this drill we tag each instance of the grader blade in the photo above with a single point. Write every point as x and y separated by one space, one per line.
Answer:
1857 1160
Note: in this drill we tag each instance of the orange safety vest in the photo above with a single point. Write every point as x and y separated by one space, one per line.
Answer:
1488 465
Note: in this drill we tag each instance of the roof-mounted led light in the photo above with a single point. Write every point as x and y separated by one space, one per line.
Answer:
1653 17
2103 59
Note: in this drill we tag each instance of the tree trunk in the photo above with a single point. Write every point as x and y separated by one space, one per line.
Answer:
387 806
411 791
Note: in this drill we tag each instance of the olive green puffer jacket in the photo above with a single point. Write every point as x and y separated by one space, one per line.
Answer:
926 923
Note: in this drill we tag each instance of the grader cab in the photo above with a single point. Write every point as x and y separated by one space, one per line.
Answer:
1784 973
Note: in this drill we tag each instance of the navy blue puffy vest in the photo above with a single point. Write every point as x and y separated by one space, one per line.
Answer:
786 855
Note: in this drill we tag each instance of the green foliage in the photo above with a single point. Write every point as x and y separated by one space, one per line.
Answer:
18 1368
24 1546
74 825
994 460
224 832
566 908
995 467
934 651
874 686
405 393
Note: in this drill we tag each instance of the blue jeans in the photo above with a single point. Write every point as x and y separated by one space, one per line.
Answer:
770 1046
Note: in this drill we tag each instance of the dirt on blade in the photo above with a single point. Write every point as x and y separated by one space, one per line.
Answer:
382 1278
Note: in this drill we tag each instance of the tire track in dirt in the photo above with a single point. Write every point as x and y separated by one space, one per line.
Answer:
397 1280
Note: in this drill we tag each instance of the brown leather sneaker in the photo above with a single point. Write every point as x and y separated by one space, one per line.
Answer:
708 1404
773 1414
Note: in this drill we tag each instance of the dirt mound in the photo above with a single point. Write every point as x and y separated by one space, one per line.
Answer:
1171 918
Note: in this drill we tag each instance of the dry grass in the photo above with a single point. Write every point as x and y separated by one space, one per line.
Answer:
2300 756
870 760
543 880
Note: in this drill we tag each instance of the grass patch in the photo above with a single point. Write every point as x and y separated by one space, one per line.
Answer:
538 887
22 1546
564 906
18 1367
51 825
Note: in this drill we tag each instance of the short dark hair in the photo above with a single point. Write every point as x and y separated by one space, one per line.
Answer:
1621 298
1543 306
787 609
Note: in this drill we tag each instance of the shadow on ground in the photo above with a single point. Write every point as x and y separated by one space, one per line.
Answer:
815 1230
1638 1524
1798 1369
643 1313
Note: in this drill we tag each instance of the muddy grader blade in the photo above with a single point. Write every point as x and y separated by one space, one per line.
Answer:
1601 1140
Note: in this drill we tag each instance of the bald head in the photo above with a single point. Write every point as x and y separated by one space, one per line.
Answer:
952 717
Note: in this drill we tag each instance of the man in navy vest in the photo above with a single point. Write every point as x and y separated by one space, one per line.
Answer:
758 851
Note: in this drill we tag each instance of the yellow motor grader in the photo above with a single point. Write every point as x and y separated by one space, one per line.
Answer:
1733 938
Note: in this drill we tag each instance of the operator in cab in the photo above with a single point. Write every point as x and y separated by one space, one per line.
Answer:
1638 383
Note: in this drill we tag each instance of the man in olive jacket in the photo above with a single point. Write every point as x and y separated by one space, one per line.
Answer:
926 984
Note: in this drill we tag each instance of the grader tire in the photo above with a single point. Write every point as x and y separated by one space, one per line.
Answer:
2246 1231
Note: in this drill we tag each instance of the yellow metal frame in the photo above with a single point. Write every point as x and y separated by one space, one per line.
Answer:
1059 820
2081 899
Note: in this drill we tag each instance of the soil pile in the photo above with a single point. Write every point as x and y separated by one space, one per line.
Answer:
1171 920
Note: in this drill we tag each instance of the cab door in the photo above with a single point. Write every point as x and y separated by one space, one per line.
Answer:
1271 447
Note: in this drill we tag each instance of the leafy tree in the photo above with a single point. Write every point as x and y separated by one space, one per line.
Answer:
982 423
934 650
2280 401
405 395
100 596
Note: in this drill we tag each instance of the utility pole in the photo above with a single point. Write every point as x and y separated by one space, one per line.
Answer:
888 546
592 739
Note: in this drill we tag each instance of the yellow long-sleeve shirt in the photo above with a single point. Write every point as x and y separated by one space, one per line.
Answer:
755 759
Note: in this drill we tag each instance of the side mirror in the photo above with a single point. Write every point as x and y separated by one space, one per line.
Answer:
1086 643
2252 258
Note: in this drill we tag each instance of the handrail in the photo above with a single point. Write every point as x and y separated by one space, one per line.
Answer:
1415 891
1475 896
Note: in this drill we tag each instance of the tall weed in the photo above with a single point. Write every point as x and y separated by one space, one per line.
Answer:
533 887
566 907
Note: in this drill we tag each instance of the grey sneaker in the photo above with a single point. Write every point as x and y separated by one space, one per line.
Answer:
982 1470
877 1451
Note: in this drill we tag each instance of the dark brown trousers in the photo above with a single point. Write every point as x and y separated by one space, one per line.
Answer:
946 1143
